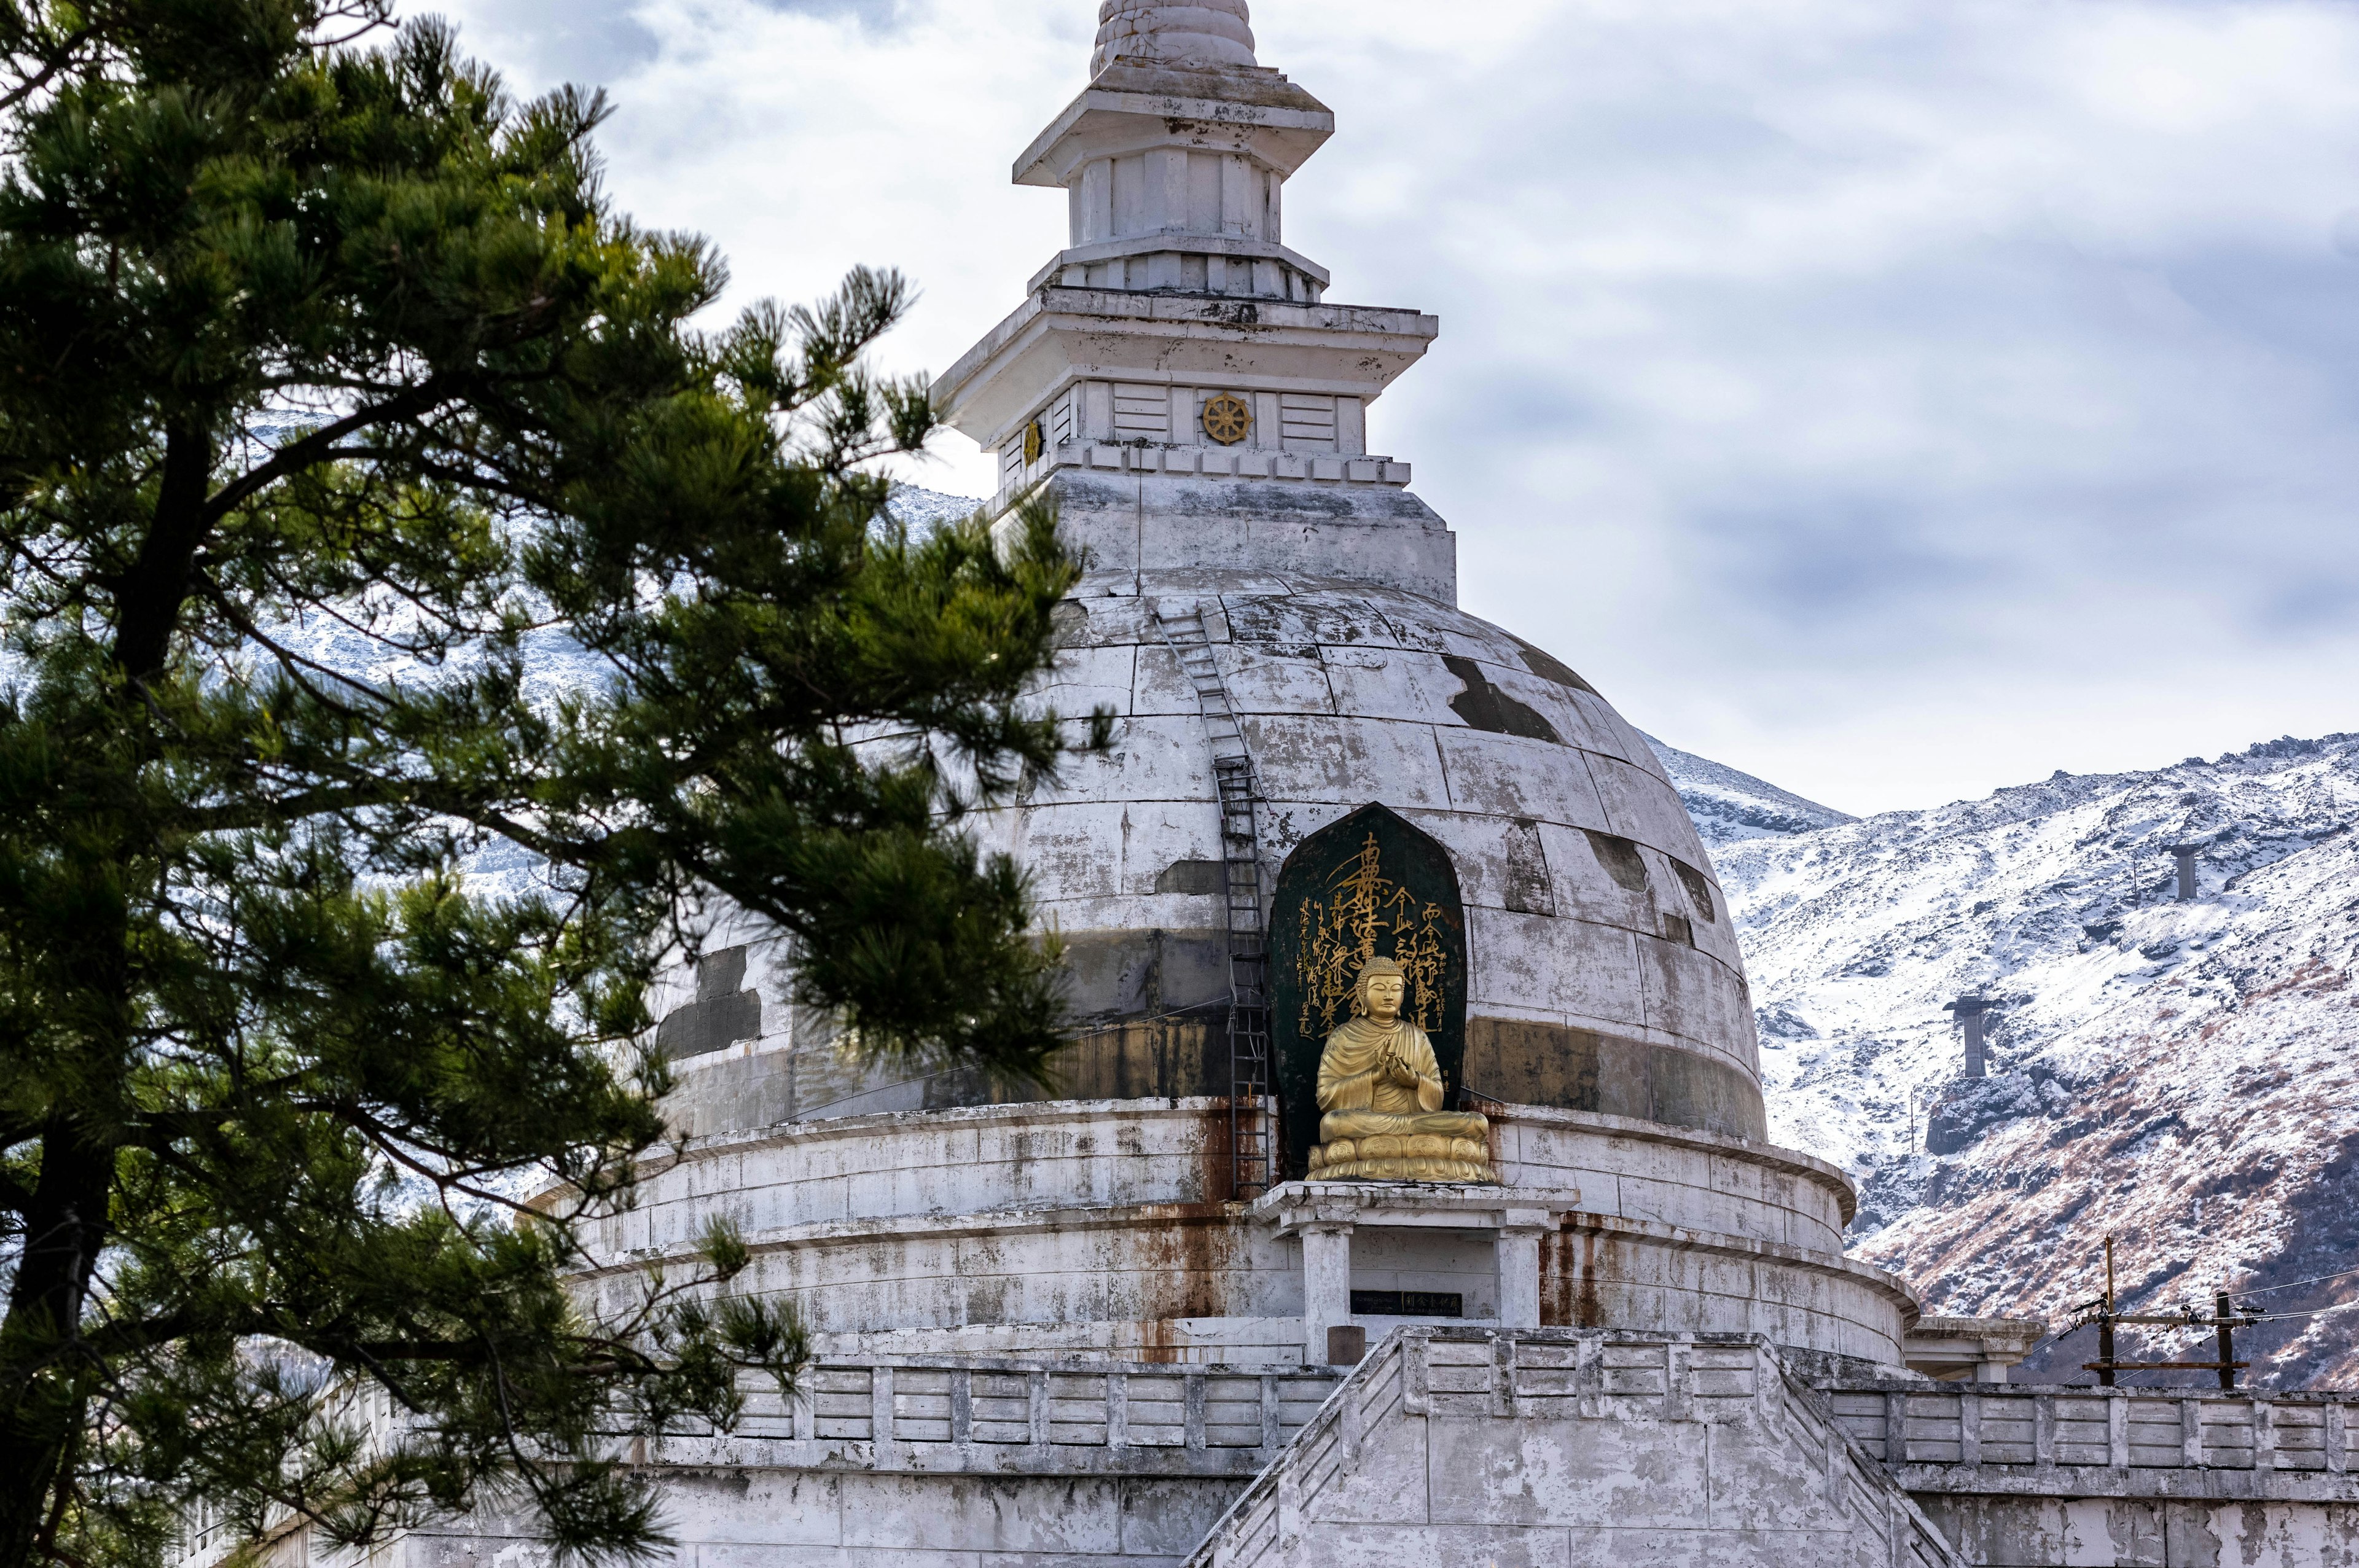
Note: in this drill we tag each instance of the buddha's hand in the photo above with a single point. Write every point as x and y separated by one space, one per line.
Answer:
1398 1071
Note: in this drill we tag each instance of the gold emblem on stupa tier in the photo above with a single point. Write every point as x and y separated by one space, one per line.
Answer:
1228 419
1380 1088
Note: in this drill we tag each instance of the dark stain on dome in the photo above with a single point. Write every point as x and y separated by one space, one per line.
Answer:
720 1016
1548 667
1485 707
1621 860
1699 889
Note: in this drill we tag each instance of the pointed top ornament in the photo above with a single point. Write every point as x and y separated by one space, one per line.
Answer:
1206 32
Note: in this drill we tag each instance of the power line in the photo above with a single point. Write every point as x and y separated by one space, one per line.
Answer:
2306 1312
2272 1290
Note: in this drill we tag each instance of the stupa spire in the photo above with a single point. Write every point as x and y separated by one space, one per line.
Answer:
1178 344
1207 32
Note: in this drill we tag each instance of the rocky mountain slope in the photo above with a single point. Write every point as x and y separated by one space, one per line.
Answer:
2184 1076
1730 807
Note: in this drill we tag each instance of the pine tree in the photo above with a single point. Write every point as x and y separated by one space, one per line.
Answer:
335 397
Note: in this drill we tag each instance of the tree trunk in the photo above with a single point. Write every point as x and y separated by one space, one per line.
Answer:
44 1378
41 1377
154 590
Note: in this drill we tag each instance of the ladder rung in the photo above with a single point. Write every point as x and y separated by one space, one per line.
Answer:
1234 789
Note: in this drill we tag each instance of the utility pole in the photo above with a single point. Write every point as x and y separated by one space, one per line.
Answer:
2105 1324
2103 1312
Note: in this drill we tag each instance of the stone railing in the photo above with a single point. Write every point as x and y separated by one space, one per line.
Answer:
984 1414
1265 1523
1227 462
2105 1441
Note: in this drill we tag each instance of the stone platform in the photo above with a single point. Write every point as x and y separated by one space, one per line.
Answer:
1105 1228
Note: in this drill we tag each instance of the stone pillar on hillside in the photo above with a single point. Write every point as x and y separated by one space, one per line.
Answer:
1974 1017
2186 854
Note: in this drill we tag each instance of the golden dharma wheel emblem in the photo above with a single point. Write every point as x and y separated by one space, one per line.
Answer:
1034 441
1228 419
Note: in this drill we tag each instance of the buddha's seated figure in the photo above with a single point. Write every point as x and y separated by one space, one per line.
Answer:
1380 1089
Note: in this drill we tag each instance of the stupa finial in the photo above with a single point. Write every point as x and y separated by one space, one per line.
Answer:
1206 32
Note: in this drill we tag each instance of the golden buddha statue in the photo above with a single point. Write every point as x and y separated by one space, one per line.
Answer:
1380 1088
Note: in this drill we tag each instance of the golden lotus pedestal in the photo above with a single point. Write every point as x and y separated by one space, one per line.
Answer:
1402 1157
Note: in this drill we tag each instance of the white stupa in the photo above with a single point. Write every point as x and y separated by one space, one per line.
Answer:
1268 604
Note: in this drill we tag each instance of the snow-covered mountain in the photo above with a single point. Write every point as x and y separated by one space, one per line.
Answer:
922 508
2184 1076
1730 807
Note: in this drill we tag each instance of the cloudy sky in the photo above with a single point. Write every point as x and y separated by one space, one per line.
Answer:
1894 398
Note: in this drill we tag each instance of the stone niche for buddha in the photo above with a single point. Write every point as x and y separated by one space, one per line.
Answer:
1368 986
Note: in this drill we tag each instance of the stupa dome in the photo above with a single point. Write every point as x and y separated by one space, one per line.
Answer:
1603 972
1209 32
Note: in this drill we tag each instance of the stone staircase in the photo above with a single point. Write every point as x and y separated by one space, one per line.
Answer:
1573 1447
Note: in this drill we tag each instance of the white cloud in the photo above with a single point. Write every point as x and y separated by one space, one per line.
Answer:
1893 399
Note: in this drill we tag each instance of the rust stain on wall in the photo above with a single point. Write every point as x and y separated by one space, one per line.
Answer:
1191 1268
1568 1289
1215 1171
1589 1312
1192 1258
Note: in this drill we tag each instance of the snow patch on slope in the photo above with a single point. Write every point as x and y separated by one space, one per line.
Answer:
1729 807
921 508
2183 1076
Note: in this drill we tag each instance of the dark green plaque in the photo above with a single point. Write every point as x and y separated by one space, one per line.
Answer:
1370 884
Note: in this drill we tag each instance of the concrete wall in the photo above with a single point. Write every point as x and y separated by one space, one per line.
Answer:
2146 1532
936 1463
1458 1447
1604 970
1103 1228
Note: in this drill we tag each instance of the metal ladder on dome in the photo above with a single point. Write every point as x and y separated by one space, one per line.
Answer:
1233 777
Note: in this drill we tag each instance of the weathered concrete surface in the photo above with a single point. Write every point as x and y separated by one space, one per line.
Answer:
1971 1349
2139 1532
1205 32
1104 1228
1565 1448
1604 976
938 1463
1604 973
